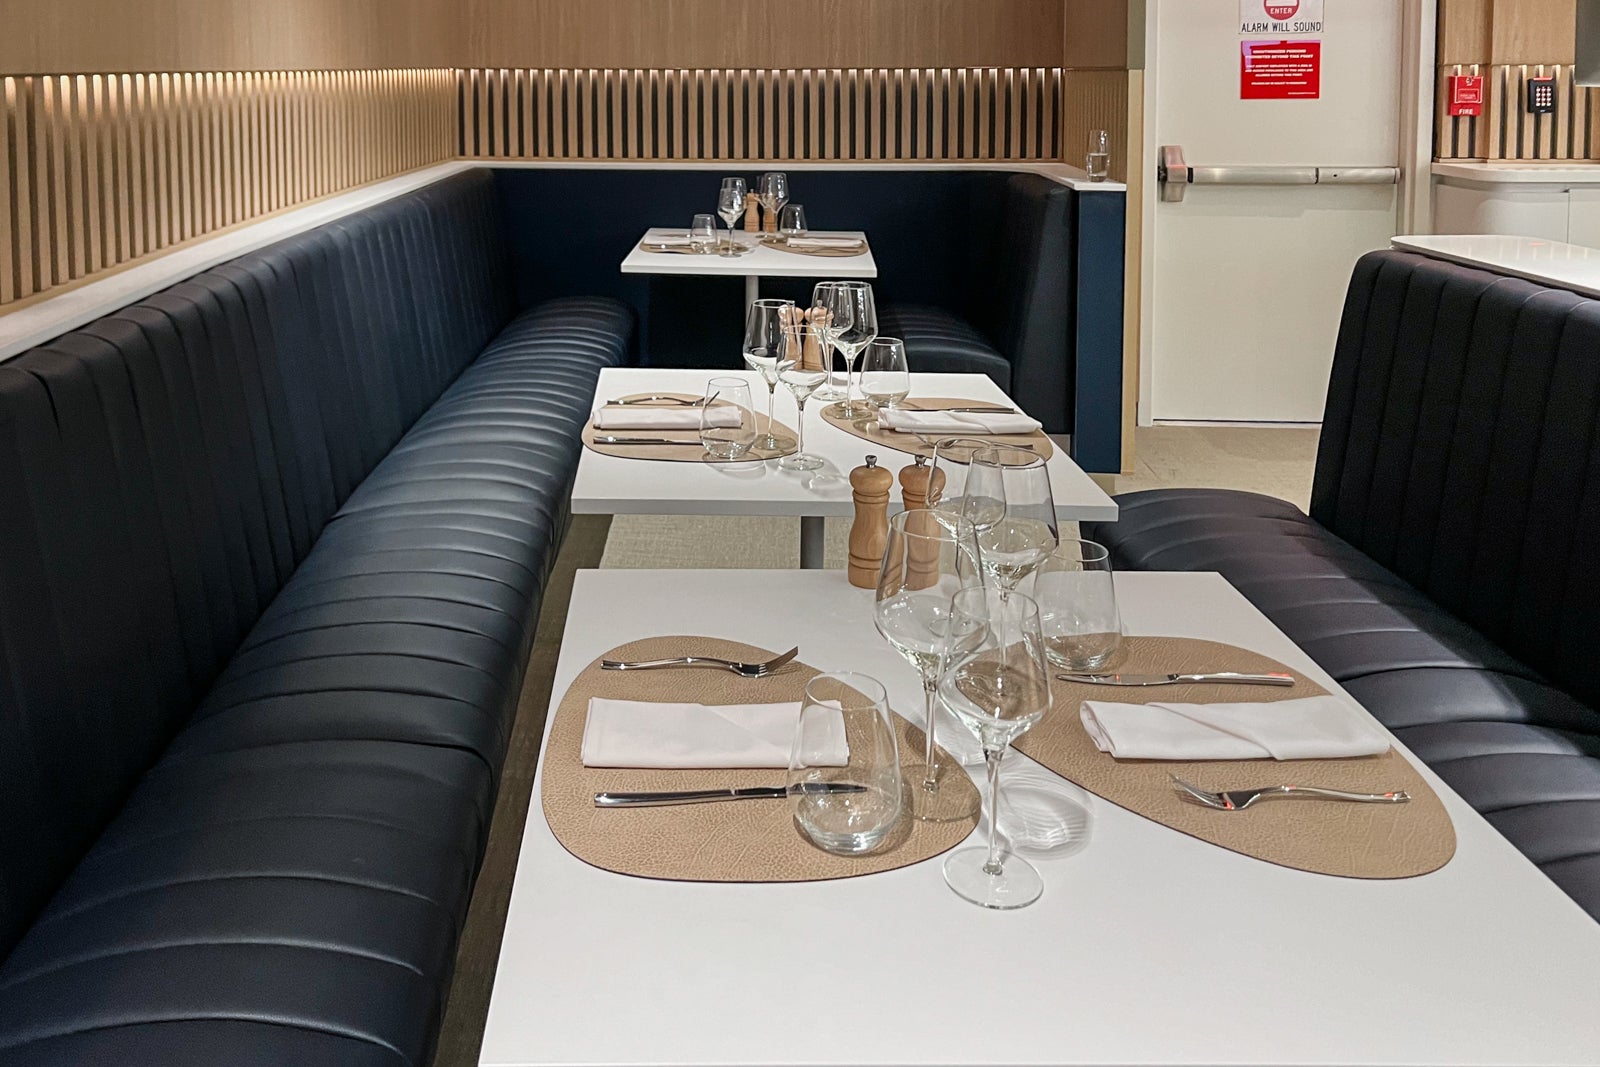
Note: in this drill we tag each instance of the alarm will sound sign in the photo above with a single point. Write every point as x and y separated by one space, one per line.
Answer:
1282 18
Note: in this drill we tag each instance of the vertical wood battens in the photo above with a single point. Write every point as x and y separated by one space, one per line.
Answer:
103 169
1505 130
845 114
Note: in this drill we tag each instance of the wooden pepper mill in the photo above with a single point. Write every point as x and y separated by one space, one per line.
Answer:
916 483
752 213
870 485
811 355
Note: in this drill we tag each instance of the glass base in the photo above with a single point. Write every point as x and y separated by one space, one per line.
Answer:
849 410
768 443
1017 884
836 388
800 461
937 804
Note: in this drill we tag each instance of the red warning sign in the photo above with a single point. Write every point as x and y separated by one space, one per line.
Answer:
1280 70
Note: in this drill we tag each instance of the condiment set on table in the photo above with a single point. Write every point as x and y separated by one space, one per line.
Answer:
766 213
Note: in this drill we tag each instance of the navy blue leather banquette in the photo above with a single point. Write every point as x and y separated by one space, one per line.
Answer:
1449 572
271 547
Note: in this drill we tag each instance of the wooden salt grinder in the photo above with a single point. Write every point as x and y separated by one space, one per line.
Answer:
769 221
922 569
752 213
811 356
869 535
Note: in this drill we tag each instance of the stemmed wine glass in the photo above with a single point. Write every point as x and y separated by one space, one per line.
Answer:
994 680
766 349
927 559
730 205
1008 500
801 380
852 325
772 190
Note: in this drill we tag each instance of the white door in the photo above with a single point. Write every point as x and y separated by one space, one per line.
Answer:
1247 282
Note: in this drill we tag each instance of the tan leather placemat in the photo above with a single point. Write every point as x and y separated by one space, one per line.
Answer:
782 245
738 841
691 450
867 429
1325 837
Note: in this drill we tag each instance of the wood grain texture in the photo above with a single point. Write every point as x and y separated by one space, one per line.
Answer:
1533 31
789 114
1095 100
1095 34
1466 31
1505 130
98 171
712 34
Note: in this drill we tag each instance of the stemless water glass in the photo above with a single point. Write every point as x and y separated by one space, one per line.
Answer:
721 439
766 349
885 378
801 381
1008 499
1077 601
703 233
773 192
792 221
730 205
844 765
1097 161
994 680
853 325
927 559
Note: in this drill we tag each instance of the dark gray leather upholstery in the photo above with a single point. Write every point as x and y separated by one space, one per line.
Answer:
274 542
1448 575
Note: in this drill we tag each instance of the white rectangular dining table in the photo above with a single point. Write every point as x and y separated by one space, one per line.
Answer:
762 261
1149 947
608 485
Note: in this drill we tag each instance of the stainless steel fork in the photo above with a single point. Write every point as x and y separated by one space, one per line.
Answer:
680 401
1239 799
748 670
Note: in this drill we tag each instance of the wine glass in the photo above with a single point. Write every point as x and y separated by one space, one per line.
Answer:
928 557
845 737
725 435
730 205
885 378
1008 500
766 348
952 456
994 680
773 191
854 325
792 222
1077 601
703 233
801 380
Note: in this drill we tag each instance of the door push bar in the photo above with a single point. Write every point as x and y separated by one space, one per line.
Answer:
1175 175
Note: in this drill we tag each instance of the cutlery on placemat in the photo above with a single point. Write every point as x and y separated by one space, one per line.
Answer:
969 411
1218 678
749 670
640 441
1236 799
680 401
709 796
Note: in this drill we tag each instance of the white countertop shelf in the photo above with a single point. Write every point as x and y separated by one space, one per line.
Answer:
1555 263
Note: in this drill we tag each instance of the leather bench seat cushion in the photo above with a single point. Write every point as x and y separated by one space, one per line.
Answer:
290 904
1520 751
941 342
410 620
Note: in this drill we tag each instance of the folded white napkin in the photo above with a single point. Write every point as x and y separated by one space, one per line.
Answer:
636 733
669 242
646 418
1322 727
957 422
824 242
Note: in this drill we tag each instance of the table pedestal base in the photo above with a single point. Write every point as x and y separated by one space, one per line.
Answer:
812 542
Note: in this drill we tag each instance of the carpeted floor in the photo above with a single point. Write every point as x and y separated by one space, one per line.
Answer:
1274 461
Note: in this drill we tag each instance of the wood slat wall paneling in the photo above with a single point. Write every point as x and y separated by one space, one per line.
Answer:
802 114
1095 100
99 170
1505 130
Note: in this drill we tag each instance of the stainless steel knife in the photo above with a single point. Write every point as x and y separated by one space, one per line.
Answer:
708 796
1218 677
640 441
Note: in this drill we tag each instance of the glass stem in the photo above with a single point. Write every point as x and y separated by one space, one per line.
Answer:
772 399
930 777
800 427
851 382
992 757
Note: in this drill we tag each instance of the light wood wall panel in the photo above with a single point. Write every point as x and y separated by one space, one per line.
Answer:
1466 31
806 114
97 171
1506 31
760 34
98 36
1505 130
1095 34
1095 100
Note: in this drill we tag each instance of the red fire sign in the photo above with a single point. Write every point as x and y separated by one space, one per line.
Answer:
1466 94
1280 70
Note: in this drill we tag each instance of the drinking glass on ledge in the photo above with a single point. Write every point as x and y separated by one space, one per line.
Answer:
721 441
1097 161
